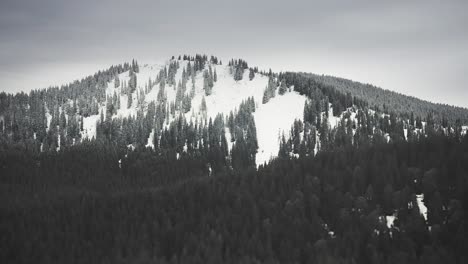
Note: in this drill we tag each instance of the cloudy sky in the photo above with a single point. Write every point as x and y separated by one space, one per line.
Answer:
418 48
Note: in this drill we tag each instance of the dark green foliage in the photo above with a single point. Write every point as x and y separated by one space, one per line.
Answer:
81 206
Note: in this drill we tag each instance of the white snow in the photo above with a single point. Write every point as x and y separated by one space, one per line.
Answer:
150 142
89 126
58 140
49 119
390 219
333 120
228 138
422 207
464 130
228 94
274 118
387 137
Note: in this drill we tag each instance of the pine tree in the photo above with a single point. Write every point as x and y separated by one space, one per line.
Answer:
135 67
116 81
203 107
132 83
238 73
129 100
207 82
266 96
63 120
282 89
251 74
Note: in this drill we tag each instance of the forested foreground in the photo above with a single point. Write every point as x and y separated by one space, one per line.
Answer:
81 206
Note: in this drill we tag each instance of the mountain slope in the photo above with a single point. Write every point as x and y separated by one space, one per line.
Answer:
272 119
387 100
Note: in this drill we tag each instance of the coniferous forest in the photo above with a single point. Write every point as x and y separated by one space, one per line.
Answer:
385 184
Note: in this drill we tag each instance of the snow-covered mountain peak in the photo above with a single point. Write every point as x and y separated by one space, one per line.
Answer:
272 118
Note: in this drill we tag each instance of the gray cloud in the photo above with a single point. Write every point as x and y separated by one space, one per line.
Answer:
413 47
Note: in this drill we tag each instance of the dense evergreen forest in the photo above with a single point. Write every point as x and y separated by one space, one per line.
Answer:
158 187
387 100
79 207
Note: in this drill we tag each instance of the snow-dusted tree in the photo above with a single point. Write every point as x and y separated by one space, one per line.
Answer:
132 83
266 96
203 107
162 92
270 90
129 100
135 67
251 74
207 82
186 103
238 73
116 81
282 89
173 66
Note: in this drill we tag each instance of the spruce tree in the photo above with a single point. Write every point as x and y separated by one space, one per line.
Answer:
116 81
282 89
266 96
251 74
207 82
132 83
129 100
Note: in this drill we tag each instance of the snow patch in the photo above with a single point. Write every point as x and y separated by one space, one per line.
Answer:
89 126
422 207
390 219
150 143
333 120
274 118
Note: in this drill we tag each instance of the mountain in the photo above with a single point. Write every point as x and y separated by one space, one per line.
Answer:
198 89
192 160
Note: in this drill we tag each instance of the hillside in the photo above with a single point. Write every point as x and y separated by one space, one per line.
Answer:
194 161
389 101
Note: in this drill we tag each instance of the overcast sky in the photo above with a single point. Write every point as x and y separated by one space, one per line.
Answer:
418 48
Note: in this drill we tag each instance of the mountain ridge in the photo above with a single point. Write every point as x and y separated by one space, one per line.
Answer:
197 90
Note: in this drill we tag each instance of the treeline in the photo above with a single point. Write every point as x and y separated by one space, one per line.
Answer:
356 127
36 116
389 101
